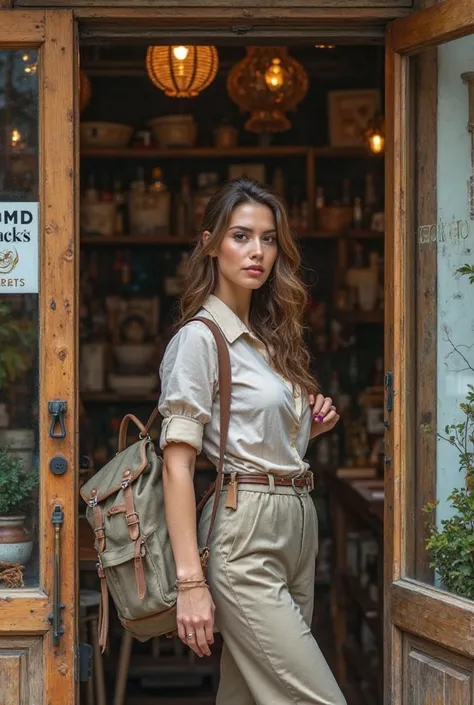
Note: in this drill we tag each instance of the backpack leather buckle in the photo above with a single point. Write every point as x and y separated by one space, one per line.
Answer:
132 519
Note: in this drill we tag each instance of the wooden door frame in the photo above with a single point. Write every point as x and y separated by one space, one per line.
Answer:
409 606
26 611
253 22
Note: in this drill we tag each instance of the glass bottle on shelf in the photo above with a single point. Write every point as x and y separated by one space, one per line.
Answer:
304 216
207 186
357 213
91 194
319 198
121 204
184 209
149 210
346 192
278 183
370 200
157 185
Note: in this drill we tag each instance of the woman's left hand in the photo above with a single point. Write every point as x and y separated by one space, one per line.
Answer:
323 414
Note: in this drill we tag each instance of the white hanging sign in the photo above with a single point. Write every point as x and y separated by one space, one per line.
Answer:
19 248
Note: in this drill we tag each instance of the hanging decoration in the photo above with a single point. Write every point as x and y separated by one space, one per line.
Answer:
375 134
267 83
182 71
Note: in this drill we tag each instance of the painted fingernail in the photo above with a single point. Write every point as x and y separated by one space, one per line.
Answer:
318 417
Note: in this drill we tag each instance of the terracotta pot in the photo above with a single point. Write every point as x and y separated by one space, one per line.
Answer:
16 542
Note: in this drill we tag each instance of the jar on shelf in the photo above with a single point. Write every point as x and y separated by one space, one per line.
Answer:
149 209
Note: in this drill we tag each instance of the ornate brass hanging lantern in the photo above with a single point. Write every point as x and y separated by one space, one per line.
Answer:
182 71
267 83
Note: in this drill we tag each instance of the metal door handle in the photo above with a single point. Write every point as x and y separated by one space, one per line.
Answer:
57 520
57 408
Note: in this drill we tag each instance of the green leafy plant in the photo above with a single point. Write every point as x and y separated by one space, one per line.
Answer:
451 546
467 269
17 339
15 485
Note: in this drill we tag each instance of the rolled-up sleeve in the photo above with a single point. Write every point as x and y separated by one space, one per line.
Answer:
189 375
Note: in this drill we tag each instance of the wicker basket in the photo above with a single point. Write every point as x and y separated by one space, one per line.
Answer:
105 135
333 218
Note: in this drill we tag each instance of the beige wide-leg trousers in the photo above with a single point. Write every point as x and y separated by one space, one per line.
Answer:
261 574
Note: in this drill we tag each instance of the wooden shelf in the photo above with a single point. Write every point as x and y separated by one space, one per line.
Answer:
357 316
236 152
364 234
113 398
134 240
158 241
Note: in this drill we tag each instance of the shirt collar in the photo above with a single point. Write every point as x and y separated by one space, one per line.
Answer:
226 319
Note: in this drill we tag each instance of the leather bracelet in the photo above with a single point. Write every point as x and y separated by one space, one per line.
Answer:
183 585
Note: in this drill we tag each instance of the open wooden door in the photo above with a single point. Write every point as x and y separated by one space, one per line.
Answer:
429 612
38 379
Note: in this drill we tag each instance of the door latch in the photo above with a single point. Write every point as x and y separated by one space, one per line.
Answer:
83 662
57 520
389 390
57 409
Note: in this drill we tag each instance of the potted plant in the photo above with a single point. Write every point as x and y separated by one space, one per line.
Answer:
451 546
17 341
16 488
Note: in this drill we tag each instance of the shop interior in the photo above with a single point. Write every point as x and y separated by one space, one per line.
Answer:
149 163
308 121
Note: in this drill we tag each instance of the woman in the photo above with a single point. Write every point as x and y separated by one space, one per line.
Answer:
243 276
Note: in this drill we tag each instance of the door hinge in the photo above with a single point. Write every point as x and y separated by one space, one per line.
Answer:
389 389
241 30
83 663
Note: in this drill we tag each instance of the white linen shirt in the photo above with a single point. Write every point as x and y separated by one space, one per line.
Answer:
269 426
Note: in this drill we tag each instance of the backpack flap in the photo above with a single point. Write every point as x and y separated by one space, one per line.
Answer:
120 529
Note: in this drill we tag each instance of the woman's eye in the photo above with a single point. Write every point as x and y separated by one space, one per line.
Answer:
240 236
271 239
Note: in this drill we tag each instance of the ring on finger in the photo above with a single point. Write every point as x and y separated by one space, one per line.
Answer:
190 636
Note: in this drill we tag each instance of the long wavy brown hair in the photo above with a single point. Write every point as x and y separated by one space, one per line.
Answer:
277 308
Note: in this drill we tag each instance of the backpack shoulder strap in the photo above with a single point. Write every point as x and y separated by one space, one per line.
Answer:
225 390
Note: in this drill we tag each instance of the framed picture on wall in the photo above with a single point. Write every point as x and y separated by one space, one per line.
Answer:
349 114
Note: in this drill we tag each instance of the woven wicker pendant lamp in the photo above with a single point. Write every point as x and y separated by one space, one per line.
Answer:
182 71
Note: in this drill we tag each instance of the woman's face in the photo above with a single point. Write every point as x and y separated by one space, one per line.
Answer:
249 247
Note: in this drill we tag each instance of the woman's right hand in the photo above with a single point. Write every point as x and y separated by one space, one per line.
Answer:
195 617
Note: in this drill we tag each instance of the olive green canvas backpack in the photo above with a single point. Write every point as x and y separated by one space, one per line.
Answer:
125 508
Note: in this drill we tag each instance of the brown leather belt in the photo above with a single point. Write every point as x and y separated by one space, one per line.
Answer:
306 480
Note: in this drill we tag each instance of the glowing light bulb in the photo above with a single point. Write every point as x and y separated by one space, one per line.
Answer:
275 75
376 143
16 138
180 53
